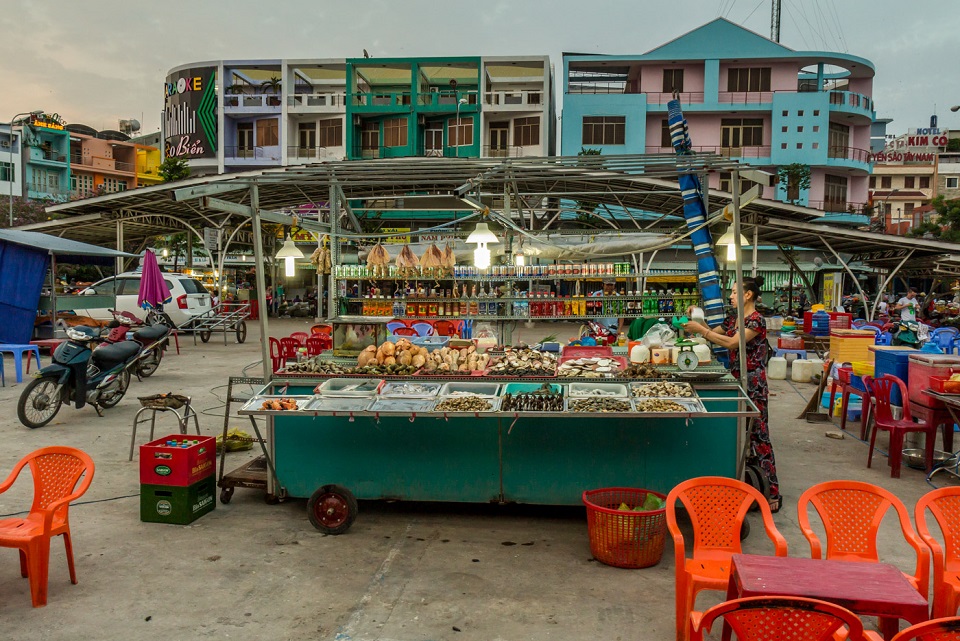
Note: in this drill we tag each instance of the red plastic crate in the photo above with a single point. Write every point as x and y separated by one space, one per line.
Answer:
162 464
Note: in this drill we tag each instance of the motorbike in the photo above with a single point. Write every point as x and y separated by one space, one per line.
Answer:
81 374
906 333
593 333
152 338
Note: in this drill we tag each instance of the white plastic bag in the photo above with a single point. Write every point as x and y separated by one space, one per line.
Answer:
659 335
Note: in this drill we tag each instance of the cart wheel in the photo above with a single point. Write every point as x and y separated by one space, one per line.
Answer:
755 478
745 530
332 509
271 499
205 336
241 331
226 494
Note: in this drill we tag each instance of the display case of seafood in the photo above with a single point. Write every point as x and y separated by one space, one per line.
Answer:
383 405
597 390
531 397
592 366
412 389
602 405
338 404
662 389
467 403
345 387
353 334
275 403
669 405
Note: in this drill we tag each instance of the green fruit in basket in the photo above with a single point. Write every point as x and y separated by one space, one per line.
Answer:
650 503
624 507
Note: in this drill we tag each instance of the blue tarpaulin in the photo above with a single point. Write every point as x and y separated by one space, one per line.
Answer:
22 272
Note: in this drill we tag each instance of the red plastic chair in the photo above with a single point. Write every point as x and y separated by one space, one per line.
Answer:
843 381
767 618
321 329
317 343
301 337
423 328
60 475
276 354
944 504
448 328
945 629
405 331
717 507
851 512
883 420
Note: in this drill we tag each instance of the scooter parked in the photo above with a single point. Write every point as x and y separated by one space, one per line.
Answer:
79 374
153 339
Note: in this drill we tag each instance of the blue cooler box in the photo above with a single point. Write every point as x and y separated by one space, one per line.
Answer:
895 361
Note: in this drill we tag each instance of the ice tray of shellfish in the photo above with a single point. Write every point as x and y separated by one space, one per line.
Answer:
662 389
347 387
275 404
592 366
469 388
468 403
597 390
410 390
599 405
668 405
401 405
338 404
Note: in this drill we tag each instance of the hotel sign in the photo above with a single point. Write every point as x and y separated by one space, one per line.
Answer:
48 121
190 114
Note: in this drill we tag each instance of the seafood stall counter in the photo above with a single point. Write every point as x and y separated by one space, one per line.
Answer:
505 439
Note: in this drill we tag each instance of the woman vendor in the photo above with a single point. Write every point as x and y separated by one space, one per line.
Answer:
726 335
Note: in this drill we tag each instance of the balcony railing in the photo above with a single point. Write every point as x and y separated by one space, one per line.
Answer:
499 151
51 155
445 98
726 152
851 99
685 97
850 153
522 97
261 101
381 99
326 99
98 162
839 207
310 153
744 97
233 151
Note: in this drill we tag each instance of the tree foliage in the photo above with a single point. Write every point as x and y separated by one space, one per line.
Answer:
795 179
585 209
172 169
947 224
25 211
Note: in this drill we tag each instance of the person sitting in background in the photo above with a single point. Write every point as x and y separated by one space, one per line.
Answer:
611 323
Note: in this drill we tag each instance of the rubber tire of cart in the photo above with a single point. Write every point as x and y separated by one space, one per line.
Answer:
744 530
226 494
271 499
755 478
205 336
241 331
332 509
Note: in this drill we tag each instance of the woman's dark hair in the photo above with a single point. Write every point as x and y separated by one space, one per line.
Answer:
753 286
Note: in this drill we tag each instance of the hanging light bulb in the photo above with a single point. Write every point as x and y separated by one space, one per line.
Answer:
289 253
519 260
481 257
728 239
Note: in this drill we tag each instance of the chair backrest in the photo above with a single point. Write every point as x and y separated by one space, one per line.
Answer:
858 323
275 349
776 618
880 389
423 328
944 337
717 507
301 337
289 346
884 338
851 512
944 504
405 331
394 325
316 344
946 629
60 475
321 329
444 328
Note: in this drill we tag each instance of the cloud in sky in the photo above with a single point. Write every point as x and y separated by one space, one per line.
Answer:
97 61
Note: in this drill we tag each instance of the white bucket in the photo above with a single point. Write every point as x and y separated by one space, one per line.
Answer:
777 368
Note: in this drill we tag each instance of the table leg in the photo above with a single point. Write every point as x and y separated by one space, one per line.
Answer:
889 627
733 592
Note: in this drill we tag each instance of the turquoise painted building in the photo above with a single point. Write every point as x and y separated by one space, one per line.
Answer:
46 158
744 96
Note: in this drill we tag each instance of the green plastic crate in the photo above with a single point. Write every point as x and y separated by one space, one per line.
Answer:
178 505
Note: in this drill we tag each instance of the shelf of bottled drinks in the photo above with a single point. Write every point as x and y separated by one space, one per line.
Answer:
474 293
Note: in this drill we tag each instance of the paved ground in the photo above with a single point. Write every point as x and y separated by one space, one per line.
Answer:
404 572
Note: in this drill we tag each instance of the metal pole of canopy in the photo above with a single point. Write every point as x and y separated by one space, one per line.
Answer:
756 240
53 293
883 286
261 283
853 276
741 330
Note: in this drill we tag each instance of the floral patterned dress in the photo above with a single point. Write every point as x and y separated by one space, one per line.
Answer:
757 390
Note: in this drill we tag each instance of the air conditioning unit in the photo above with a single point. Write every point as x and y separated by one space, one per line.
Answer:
5 144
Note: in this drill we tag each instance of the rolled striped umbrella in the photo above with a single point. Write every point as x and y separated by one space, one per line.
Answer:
695 213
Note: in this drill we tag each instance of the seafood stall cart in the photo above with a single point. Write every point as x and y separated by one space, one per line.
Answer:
493 439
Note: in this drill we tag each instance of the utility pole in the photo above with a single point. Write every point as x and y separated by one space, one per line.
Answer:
775 20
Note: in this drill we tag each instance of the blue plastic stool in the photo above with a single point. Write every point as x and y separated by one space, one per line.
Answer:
799 353
18 351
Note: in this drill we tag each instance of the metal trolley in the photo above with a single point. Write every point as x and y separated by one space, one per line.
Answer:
223 318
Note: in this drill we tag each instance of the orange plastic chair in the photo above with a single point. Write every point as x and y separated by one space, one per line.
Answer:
301 337
944 504
765 618
321 329
717 507
56 472
880 389
851 512
317 343
946 629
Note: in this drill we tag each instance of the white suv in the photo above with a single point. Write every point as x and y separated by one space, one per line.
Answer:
190 298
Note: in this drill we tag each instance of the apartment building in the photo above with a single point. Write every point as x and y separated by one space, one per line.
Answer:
744 96
11 166
288 112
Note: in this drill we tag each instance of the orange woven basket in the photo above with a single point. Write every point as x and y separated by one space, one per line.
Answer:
620 538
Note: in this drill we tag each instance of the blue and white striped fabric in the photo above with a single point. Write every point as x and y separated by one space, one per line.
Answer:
695 214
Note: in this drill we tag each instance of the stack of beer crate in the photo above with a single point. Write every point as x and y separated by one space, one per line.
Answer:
177 483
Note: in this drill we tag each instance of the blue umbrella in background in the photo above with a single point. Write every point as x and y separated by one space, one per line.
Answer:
154 292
